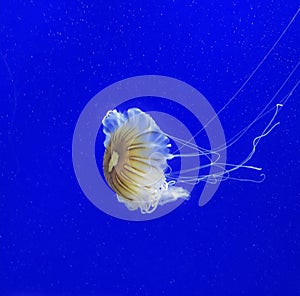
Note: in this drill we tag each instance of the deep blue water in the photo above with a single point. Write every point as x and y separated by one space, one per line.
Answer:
54 57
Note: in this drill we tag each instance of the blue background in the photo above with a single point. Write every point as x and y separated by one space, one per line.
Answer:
54 57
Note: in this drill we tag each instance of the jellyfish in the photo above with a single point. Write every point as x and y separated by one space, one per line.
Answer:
137 161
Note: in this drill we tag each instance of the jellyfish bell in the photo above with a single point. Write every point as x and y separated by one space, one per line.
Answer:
135 161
